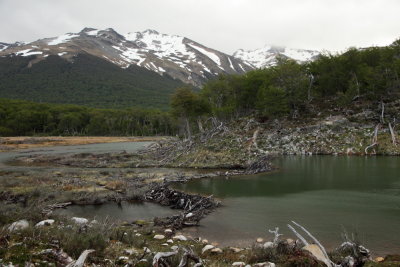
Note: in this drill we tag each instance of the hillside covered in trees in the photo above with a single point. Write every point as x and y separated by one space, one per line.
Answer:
295 91
88 81
359 77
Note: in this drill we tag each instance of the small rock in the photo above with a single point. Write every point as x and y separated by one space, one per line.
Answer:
290 241
168 231
236 250
379 259
45 223
138 234
80 221
146 250
18 225
239 263
259 240
130 252
180 238
207 247
268 245
216 250
264 264
189 215
170 241
159 237
165 244
174 248
204 241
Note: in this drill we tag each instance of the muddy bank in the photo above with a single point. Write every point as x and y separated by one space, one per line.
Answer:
28 142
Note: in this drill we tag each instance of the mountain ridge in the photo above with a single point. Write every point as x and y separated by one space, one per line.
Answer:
179 57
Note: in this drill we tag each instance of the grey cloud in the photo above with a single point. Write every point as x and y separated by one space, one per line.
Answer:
222 24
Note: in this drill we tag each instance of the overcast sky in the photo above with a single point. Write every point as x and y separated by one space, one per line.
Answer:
226 25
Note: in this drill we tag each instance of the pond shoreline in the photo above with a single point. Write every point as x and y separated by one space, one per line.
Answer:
99 184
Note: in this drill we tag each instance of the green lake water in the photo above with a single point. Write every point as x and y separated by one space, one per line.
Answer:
326 194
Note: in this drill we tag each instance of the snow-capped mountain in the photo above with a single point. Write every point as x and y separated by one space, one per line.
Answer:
176 56
268 55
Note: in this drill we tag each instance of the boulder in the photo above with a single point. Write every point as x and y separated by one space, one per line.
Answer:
216 250
180 238
80 221
45 223
130 251
18 225
264 264
268 244
159 237
168 231
236 250
206 248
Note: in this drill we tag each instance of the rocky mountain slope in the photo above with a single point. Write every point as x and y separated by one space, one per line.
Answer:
176 56
268 55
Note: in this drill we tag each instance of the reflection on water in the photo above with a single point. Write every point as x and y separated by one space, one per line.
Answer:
124 212
326 194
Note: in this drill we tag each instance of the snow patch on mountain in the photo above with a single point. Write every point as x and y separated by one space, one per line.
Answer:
93 32
63 39
28 52
3 47
212 56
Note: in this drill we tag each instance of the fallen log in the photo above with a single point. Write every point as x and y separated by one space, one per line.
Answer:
81 260
159 258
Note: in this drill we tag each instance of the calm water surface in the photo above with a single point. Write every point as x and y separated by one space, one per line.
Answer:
326 194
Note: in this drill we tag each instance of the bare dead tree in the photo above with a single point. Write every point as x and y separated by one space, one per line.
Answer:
382 112
374 139
393 135
323 250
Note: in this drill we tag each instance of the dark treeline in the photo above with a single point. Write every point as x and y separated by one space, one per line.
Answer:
289 88
21 118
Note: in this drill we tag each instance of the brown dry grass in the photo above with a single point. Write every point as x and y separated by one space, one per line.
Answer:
13 143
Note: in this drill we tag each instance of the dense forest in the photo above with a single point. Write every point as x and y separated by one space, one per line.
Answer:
285 90
87 80
19 117
288 89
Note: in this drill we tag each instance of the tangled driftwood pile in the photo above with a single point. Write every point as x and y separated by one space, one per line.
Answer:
194 207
